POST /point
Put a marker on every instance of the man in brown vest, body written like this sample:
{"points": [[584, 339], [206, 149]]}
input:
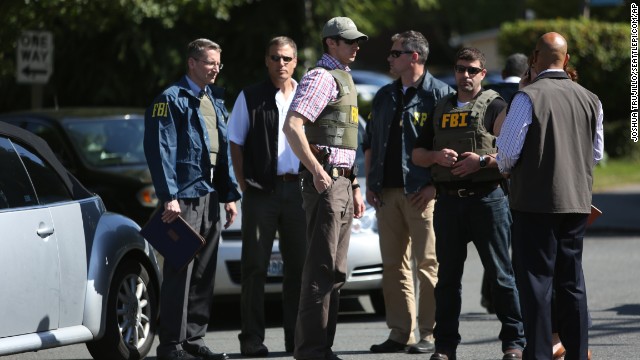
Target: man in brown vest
{"points": [[548, 145]]}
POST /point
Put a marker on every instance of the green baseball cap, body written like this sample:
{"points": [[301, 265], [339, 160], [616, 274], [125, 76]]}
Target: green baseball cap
{"points": [[343, 27]]}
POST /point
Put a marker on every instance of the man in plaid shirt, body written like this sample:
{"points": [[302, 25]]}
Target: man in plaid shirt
{"points": [[322, 129]]}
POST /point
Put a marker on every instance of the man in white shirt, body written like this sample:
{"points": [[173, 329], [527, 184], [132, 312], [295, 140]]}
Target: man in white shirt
{"points": [[267, 172]]}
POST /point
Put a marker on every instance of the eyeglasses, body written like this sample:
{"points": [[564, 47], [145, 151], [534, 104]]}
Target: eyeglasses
{"points": [[214, 64], [276, 58], [347, 41], [472, 70], [396, 53]]}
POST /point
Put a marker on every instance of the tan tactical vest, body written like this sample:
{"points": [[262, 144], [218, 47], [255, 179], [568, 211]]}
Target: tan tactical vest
{"points": [[337, 125], [211, 121], [462, 129]]}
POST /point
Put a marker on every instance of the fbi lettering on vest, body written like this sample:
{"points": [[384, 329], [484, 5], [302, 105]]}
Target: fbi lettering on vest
{"points": [[454, 120]]}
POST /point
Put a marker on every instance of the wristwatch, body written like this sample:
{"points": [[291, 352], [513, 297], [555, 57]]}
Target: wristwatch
{"points": [[483, 161]]}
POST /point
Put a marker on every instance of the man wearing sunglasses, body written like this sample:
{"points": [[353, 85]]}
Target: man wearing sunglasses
{"points": [[403, 193], [460, 149], [322, 129], [267, 171]]}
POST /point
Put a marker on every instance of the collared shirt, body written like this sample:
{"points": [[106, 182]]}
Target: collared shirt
{"points": [[239, 128], [515, 127], [316, 89], [195, 88]]}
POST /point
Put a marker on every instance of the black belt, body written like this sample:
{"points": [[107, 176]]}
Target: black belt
{"points": [[334, 172], [287, 177], [479, 190]]}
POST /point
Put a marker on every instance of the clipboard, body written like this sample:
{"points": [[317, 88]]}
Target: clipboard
{"points": [[177, 242]]}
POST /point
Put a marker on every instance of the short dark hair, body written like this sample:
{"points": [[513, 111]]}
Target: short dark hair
{"points": [[515, 65], [281, 41], [471, 54], [414, 41]]}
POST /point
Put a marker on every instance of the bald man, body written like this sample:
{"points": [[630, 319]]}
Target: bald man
{"points": [[549, 143]]}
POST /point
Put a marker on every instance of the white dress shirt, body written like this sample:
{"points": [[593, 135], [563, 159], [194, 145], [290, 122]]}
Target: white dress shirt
{"points": [[515, 127], [239, 127]]}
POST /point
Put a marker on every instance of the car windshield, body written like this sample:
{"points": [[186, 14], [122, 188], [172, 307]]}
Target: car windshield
{"points": [[108, 142]]}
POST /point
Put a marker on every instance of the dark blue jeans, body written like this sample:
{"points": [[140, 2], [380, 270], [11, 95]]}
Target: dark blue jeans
{"points": [[485, 221]]}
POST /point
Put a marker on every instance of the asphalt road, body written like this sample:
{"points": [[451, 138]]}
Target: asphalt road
{"points": [[612, 270]]}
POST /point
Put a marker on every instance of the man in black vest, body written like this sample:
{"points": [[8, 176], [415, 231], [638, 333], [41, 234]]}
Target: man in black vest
{"points": [[267, 171], [549, 143], [471, 206]]}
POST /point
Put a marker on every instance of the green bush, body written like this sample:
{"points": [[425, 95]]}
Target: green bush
{"points": [[599, 51], [617, 140]]}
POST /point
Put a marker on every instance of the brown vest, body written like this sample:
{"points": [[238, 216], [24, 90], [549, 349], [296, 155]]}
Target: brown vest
{"points": [[555, 171]]}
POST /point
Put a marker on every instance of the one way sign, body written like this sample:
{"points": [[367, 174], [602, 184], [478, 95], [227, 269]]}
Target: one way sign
{"points": [[35, 57]]}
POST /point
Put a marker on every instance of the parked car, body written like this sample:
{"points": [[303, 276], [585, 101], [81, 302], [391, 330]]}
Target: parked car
{"points": [[71, 271], [102, 147], [369, 82], [364, 262]]}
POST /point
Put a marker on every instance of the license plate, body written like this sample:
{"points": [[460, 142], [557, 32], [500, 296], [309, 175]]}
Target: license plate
{"points": [[276, 266]]}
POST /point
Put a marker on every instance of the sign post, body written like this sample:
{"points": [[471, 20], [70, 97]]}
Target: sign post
{"points": [[35, 62], [35, 57]]}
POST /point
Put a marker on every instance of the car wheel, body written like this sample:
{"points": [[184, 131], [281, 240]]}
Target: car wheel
{"points": [[377, 301], [132, 311]]}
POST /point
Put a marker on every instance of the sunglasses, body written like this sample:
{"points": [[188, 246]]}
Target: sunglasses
{"points": [[276, 58], [472, 70], [347, 41], [396, 53]]}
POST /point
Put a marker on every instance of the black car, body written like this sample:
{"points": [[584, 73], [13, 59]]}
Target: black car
{"points": [[102, 147]]}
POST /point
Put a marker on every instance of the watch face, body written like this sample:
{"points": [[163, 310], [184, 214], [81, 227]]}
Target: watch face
{"points": [[483, 161]]}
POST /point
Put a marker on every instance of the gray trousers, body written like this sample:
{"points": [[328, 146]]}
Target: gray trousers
{"points": [[186, 295], [329, 217], [264, 213]]}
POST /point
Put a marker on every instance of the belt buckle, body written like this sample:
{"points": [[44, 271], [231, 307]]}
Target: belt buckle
{"points": [[463, 193], [335, 173]]}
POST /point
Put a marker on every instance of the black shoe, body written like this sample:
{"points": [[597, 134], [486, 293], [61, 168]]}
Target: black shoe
{"points": [[422, 347], [439, 356], [253, 347], [178, 355], [388, 346], [512, 354], [205, 353], [442, 356]]}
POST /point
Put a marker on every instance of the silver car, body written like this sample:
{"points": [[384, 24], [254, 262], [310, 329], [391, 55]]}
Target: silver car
{"points": [[71, 271], [364, 262]]}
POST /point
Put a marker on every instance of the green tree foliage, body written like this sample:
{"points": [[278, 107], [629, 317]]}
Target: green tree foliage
{"points": [[599, 51], [123, 52]]}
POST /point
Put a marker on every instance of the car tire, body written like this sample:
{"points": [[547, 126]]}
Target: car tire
{"points": [[133, 299], [377, 301]]}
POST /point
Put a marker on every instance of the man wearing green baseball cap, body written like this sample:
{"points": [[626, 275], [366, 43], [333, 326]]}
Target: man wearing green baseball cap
{"points": [[322, 130]]}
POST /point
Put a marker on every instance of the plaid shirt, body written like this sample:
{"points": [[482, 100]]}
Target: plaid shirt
{"points": [[316, 89]]}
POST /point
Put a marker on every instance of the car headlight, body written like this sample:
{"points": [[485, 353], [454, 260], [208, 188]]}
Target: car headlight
{"points": [[147, 196], [367, 223]]}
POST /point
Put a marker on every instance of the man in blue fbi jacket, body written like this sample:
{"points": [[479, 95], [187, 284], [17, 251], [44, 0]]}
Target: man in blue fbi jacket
{"points": [[185, 143]]}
